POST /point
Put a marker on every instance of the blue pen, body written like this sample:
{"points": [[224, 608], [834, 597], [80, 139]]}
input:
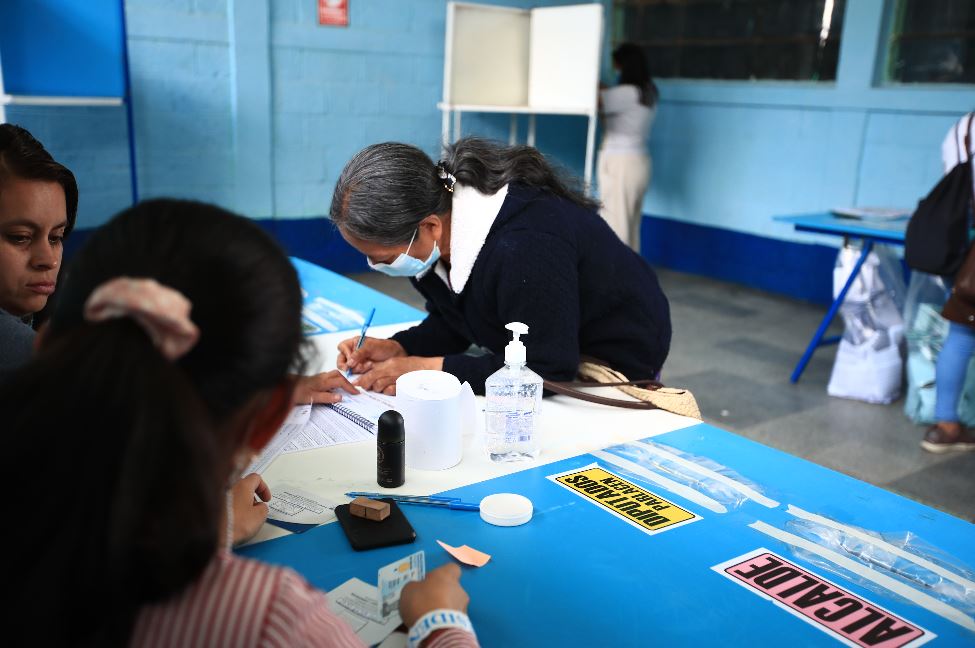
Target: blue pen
{"points": [[428, 498], [362, 338], [422, 500], [457, 506]]}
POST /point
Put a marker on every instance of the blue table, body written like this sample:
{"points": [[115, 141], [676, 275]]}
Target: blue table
{"points": [[584, 573], [580, 575], [334, 303], [870, 232]]}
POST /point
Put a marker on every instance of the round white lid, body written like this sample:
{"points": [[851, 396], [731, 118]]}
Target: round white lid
{"points": [[506, 509]]}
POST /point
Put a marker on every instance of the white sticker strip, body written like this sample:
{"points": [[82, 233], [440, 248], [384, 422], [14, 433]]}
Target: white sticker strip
{"points": [[886, 546], [745, 490], [929, 603], [686, 492]]}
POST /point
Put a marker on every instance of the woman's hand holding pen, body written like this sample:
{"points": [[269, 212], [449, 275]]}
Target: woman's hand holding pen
{"points": [[380, 362], [382, 376], [372, 350]]}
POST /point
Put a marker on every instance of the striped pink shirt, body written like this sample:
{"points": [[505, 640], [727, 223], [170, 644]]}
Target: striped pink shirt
{"points": [[239, 602]]}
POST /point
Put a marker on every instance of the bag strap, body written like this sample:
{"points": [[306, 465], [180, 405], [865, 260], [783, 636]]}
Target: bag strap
{"points": [[968, 138], [568, 389], [971, 165], [588, 359], [651, 385]]}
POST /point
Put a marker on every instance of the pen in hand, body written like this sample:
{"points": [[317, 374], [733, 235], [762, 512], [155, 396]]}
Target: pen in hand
{"points": [[362, 338]]}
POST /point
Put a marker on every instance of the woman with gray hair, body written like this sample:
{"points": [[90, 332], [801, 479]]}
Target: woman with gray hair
{"points": [[491, 235]]}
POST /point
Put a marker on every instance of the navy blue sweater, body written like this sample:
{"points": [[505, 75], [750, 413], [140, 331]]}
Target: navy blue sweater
{"points": [[561, 270]]}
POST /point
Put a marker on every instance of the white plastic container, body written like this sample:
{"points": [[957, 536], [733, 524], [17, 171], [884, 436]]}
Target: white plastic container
{"points": [[431, 402], [514, 396]]}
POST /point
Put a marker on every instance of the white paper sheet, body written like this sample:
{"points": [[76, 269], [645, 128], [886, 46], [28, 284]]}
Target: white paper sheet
{"points": [[325, 428], [395, 640], [873, 213], [298, 506], [292, 425], [357, 602]]}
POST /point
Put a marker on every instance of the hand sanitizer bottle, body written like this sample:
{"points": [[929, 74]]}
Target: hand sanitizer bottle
{"points": [[514, 395]]}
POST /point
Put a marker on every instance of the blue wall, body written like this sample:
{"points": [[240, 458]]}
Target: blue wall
{"points": [[87, 60], [730, 155], [252, 105]]}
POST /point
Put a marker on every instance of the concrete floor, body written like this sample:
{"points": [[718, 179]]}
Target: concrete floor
{"points": [[735, 348]]}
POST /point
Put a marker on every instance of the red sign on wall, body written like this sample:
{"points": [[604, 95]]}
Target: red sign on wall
{"points": [[333, 12]]}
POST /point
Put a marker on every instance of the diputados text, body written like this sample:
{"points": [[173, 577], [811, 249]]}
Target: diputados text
{"points": [[640, 507]]}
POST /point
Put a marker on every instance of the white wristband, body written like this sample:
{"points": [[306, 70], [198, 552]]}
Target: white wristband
{"points": [[437, 620]]}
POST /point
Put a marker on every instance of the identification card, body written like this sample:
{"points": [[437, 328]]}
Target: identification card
{"points": [[393, 577]]}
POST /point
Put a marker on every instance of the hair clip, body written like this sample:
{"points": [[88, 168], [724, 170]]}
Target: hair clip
{"points": [[448, 178], [162, 312]]}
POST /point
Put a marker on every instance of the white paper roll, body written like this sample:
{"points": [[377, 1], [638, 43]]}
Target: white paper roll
{"points": [[431, 405]]}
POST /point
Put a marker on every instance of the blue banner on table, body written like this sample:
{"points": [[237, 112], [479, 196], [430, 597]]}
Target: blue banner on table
{"points": [[334, 303]]}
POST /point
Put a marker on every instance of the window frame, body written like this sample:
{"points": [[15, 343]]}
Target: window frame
{"points": [[615, 32], [886, 59], [857, 87]]}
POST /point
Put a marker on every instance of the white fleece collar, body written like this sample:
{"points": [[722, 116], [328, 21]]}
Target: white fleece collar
{"points": [[472, 215]]}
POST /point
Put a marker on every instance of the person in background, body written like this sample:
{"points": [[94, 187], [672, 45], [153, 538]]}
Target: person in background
{"points": [[38, 205], [625, 166], [948, 433], [165, 366], [492, 235]]}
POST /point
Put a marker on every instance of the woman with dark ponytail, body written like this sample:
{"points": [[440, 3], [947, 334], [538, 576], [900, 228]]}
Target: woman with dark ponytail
{"points": [[625, 167], [165, 367], [490, 235]]}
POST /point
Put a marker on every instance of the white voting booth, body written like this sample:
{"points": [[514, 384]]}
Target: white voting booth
{"points": [[541, 61]]}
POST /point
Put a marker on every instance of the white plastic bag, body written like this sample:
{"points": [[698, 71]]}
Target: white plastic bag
{"points": [[869, 363], [925, 335]]}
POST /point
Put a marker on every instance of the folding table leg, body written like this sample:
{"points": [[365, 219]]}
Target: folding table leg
{"points": [[817, 339]]}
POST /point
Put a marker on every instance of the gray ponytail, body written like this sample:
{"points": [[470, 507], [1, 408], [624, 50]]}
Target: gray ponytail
{"points": [[487, 166], [387, 189]]}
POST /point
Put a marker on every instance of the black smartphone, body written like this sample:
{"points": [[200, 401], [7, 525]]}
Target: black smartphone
{"points": [[369, 534]]}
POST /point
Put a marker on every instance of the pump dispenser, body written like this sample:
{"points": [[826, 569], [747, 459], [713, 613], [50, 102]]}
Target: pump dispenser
{"points": [[514, 396], [514, 353]]}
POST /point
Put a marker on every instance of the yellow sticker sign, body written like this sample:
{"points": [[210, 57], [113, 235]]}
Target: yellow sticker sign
{"points": [[643, 509]]}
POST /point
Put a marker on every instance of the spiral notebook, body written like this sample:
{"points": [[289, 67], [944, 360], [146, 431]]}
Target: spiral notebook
{"points": [[353, 419], [363, 409], [351, 414]]}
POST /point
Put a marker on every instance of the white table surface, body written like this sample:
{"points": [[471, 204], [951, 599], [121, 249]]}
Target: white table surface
{"points": [[569, 427]]}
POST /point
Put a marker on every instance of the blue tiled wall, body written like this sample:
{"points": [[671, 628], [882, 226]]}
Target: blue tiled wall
{"points": [[92, 142], [252, 105], [331, 91]]}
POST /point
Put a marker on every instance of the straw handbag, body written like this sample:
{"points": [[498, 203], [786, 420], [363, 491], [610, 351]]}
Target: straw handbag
{"points": [[650, 393]]}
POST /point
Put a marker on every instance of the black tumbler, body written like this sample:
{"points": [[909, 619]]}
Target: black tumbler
{"points": [[391, 450]]}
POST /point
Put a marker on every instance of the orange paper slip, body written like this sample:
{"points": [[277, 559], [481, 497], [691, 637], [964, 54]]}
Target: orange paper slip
{"points": [[466, 555]]}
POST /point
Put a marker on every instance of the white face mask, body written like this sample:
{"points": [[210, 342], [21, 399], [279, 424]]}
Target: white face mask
{"points": [[405, 265]]}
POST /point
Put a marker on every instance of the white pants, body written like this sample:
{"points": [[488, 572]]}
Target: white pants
{"points": [[623, 181]]}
